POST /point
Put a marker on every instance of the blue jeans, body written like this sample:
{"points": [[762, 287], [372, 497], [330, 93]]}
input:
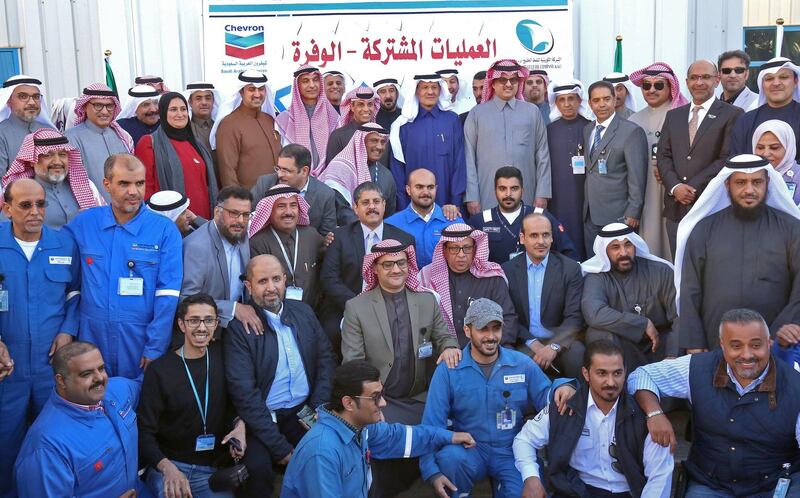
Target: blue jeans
{"points": [[198, 481], [697, 490]]}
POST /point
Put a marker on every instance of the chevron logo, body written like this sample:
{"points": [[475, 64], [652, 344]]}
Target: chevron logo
{"points": [[244, 47]]}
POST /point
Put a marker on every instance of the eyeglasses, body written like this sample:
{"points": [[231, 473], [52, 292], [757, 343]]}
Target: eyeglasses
{"points": [[236, 214], [454, 250], [612, 452], [402, 264], [24, 97], [696, 77], [99, 106], [278, 169], [658, 84], [195, 322], [737, 70], [28, 205], [376, 398]]}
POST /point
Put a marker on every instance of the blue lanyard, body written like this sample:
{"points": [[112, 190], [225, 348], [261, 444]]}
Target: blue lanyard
{"points": [[203, 411]]}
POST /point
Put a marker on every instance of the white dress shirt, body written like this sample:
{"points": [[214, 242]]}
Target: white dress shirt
{"points": [[377, 236], [704, 107], [590, 458], [605, 124]]}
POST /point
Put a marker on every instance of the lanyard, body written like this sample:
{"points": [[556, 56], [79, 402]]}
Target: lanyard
{"points": [[291, 264], [504, 222], [203, 411]]}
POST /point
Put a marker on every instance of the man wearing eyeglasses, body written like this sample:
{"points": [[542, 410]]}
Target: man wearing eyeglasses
{"points": [[603, 448], [734, 66], [23, 110], [694, 142], [96, 132], [39, 295], [396, 325], [216, 254]]}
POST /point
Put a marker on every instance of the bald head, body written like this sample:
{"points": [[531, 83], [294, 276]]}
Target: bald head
{"points": [[266, 282], [262, 261], [24, 204], [22, 186], [421, 189], [702, 79]]}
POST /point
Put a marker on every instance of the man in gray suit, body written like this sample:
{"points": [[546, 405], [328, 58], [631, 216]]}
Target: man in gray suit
{"points": [[396, 325], [615, 161], [216, 255], [327, 209]]}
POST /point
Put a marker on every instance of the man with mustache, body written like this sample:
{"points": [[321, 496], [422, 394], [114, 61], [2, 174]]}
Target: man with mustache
{"points": [[23, 110], [139, 116], [131, 271], [629, 297], [735, 68], [603, 449], [504, 221], [736, 248], [359, 107], [334, 87], [85, 440], [47, 157], [204, 101], [624, 103], [486, 396], [274, 375], [280, 227], [95, 133], [745, 412], [38, 312], [388, 90], [216, 254]]}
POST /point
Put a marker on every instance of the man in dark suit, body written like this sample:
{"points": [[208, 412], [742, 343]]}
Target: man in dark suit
{"points": [[546, 290], [341, 268], [694, 143], [267, 393], [328, 209], [616, 161]]}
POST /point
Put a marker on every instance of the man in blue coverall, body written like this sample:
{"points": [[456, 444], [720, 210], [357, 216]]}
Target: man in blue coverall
{"points": [[84, 443], [333, 458], [131, 272], [487, 395], [39, 294]]}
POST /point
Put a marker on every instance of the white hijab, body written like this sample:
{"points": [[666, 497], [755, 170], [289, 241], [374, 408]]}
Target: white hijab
{"points": [[785, 135]]}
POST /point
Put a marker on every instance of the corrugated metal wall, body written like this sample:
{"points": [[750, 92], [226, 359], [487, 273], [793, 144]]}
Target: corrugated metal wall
{"points": [[765, 12]]}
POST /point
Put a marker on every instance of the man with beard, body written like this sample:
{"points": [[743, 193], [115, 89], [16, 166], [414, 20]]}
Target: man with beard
{"points": [[216, 254], [334, 86], [359, 107], [274, 375], [738, 247], [458, 94], [156, 82], [23, 110], [280, 227], [131, 271], [745, 408], [139, 116], [603, 416], [388, 90], [535, 92], [95, 133], [628, 297], [85, 440], [47, 157], [735, 68], [624, 104]]}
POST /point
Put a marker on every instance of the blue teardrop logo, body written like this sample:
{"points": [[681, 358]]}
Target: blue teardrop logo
{"points": [[534, 37]]}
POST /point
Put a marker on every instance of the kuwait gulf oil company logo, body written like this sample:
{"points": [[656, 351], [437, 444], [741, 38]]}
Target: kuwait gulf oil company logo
{"points": [[534, 37], [244, 42]]}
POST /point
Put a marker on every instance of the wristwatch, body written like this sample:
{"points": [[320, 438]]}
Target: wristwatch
{"points": [[555, 347], [655, 414]]}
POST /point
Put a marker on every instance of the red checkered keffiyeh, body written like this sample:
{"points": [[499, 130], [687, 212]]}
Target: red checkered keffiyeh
{"points": [[263, 210], [294, 124], [504, 68], [383, 248], [41, 142], [663, 70], [101, 91], [361, 93], [350, 168], [436, 275]]}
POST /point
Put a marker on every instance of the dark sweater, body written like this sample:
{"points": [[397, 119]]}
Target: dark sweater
{"points": [[169, 419]]}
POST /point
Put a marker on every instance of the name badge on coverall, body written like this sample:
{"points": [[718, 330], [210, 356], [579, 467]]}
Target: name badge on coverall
{"points": [[3, 295], [130, 286]]}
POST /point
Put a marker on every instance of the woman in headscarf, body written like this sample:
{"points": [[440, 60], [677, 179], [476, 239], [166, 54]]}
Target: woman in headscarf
{"points": [[774, 140], [175, 160]]}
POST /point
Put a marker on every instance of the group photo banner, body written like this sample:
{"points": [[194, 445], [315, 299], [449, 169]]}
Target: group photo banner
{"points": [[369, 41]]}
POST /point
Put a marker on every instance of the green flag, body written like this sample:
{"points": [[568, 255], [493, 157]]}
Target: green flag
{"points": [[110, 81], [618, 55]]}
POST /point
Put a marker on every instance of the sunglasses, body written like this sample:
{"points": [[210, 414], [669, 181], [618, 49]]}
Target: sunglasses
{"points": [[612, 452], [376, 398], [737, 70], [660, 85]]}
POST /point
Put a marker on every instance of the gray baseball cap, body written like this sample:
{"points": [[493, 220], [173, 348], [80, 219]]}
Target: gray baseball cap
{"points": [[482, 312]]}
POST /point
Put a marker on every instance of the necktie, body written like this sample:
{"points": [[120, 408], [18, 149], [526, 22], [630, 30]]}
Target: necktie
{"points": [[371, 240], [693, 123], [597, 137]]}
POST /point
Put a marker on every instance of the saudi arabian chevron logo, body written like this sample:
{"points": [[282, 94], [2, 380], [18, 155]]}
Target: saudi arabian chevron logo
{"points": [[247, 45], [534, 37]]}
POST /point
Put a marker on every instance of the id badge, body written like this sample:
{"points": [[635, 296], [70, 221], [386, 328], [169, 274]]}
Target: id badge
{"points": [[506, 419], [792, 186], [295, 293], [3, 300], [782, 488], [205, 442], [130, 286], [425, 350], [578, 165], [601, 167]]}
